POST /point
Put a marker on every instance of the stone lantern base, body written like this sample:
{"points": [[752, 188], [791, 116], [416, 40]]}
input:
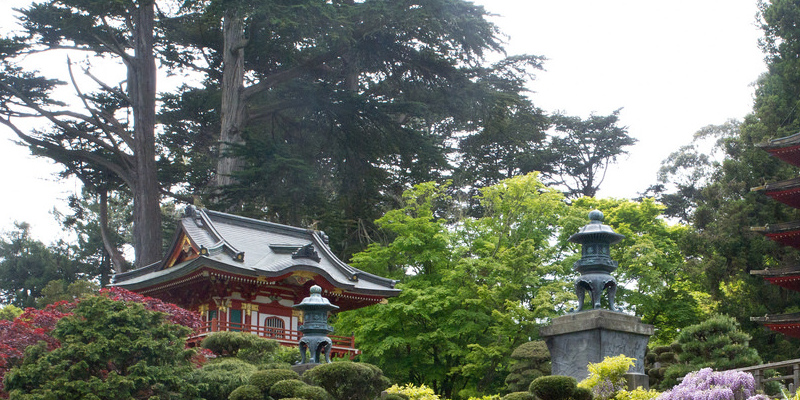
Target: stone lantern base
{"points": [[577, 339]]}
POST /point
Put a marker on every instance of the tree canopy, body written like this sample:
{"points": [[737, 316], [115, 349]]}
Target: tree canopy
{"points": [[475, 288]]}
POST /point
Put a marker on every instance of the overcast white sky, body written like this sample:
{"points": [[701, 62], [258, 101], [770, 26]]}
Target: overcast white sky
{"points": [[672, 66]]}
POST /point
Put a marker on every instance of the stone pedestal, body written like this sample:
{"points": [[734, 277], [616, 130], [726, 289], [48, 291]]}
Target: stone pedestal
{"points": [[577, 339]]}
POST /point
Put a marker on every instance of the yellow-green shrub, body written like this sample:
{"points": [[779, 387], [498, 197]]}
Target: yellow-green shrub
{"points": [[606, 378], [636, 394], [414, 392]]}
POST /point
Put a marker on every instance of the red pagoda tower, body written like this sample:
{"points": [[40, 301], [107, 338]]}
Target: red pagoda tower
{"points": [[246, 275], [787, 234]]}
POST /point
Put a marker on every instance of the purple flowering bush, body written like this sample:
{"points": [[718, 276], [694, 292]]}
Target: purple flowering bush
{"points": [[709, 385]]}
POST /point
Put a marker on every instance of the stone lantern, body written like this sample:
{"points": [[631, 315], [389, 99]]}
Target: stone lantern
{"points": [[588, 336], [315, 326], [596, 265]]}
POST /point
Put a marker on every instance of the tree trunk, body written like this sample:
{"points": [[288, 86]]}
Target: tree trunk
{"points": [[142, 88], [233, 114], [114, 255]]}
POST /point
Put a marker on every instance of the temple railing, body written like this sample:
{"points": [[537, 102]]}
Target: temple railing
{"points": [[343, 346], [788, 374]]}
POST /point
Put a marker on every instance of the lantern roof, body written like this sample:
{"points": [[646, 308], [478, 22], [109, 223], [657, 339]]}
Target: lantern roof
{"points": [[315, 302], [596, 231]]}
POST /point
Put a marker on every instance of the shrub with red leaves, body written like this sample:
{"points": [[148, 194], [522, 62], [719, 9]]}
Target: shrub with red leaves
{"points": [[35, 325], [175, 314], [28, 329]]}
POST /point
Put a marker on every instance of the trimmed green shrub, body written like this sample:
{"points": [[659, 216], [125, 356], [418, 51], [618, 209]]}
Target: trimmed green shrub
{"points": [[519, 396], [264, 379], [530, 361], [217, 379], [275, 365], [247, 346], [286, 388], [716, 343], [396, 396], [582, 394], [309, 392], [348, 380], [246, 392], [553, 387], [413, 392]]}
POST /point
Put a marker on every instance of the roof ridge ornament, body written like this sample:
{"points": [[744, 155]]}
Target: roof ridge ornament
{"points": [[307, 251]]}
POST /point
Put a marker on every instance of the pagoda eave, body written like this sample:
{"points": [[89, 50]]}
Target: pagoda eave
{"points": [[787, 324], [785, 148], [786, 192], [787, 234], [788, 278]]}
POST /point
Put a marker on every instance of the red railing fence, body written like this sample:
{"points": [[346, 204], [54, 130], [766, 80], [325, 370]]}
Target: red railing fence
{"points": [[343, 346]]}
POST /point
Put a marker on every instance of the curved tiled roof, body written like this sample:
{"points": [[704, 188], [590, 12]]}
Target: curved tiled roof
{"points": [[256, 248]]}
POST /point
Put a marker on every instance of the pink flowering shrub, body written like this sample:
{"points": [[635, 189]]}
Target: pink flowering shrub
{"points": [[709, 385]]}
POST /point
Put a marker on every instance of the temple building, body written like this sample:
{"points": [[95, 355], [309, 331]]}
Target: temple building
{"points": [[246, 275], [787, 234]]}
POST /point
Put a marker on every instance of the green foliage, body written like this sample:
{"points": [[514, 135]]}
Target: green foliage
{"points": [[348, 380], [520, 396], [27, 265], [309, 392], [530, 361], [553, 387], [251, 348], [636, 394], [658, 360], [413, 392], [339, 146], [612, 369], [584, 149], [246, 392], [475, 290], [286, 388], [264, 379], [717, 343], [109, 350], [708, 185], [394, 396], [607, 377], [9, 312], [217, 379], [654, 279], [582, 393], [59, 290]]}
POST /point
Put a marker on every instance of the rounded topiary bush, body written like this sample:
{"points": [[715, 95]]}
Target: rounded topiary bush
{"points": [[275, 365], [553, 387], [286, 388], [246, 392], [348, 380], [309, 392], [581, 393], [667, 357], [217, 379], [265, 378], [253, 348], [519, 396], [530, 361]]}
